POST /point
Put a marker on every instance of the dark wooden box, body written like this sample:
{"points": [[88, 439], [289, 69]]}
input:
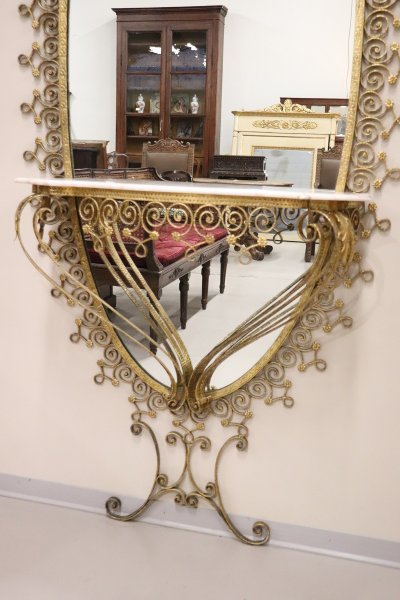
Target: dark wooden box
{"points": [[238, 167]]}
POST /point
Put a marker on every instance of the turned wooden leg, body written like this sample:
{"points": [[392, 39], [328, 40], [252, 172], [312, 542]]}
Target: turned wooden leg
{"points": [[153, 334], [106, 293], [309, 251], [184, 289], [205, 277], [224, 264], [310, 246]]}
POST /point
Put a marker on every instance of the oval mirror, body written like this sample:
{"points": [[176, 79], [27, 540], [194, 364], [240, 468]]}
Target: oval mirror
{"points": [[228, 282]]}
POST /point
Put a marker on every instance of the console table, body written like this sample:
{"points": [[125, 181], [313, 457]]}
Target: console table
{"points": [[252, 194]]}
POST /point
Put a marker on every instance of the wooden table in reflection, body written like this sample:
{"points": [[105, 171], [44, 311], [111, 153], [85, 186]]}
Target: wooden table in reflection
{"points": [[266, 183]]}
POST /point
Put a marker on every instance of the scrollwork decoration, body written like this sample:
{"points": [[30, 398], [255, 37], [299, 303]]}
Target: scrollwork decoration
{"points": [[43, 15], [43, 60], [275, 124], [287, 107], [378, 113]]}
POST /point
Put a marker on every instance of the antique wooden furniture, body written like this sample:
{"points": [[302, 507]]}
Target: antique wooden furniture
{"points": [[248, 168], [89, 154], [327, 170], [166, 258], [238, 167], [165, 262], [244, 182], [166, 56], [289, 135], [117, 160], [146, 173], [169, 155]]}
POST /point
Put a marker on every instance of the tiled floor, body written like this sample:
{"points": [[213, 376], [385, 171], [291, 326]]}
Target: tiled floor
{"points": [[50, 553]]}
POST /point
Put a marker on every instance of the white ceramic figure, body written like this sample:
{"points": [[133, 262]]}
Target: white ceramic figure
{"points": [[140, 104], [194, 105]]}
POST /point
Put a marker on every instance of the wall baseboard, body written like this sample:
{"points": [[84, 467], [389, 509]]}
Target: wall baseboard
{"points": [[203, 520]]}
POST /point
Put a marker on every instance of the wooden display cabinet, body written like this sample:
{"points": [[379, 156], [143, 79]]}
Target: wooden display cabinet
{"points": [[165, 57]]}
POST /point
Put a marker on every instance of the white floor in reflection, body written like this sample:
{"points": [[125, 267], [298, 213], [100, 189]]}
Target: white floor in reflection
{"points": [[248, 287]]}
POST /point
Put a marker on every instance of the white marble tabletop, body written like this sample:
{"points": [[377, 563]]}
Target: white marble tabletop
{"points": [[207, 189]]}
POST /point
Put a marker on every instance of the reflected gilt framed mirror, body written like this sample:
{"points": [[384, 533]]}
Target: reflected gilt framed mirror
{"points": [[202, 357]]}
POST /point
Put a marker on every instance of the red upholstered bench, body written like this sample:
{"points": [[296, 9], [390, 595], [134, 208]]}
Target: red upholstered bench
{"points": [[166, 261]]}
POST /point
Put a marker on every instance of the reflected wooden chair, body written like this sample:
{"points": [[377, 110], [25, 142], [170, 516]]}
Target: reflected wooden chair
{"points": [[326, 174], [117, 160], [327, 167], [169, 155]]}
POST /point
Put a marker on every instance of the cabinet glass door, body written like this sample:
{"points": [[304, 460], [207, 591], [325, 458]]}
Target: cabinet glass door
{"points": [[143, 91], [187, 107]]}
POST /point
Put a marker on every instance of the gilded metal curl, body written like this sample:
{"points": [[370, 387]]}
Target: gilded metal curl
{"points": [[378, 116], [46, 62], [188, 434]]}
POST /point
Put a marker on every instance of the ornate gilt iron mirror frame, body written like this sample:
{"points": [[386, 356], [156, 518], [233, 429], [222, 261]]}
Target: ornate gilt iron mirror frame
{"points": [[305, 310]]}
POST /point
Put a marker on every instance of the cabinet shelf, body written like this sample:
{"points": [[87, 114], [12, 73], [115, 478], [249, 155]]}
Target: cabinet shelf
{"points": [[187, 116], [189, 72], [142, 137], [143, 72], [189, 139], [146, 115]]}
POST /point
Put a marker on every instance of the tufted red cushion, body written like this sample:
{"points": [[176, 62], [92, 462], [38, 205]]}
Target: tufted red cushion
{"points": [[168, 250]]}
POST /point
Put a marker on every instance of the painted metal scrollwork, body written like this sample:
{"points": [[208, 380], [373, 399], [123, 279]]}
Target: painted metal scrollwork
{"points": [[378, 117], [44, 63]]}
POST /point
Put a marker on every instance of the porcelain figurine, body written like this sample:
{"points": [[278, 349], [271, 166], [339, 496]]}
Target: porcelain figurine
{"points": [[194, 105], [140, 104]]}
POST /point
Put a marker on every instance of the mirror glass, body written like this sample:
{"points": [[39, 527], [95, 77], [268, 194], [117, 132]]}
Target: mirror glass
{"points": [[277, 50], [287, 50], [248, 287]]}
